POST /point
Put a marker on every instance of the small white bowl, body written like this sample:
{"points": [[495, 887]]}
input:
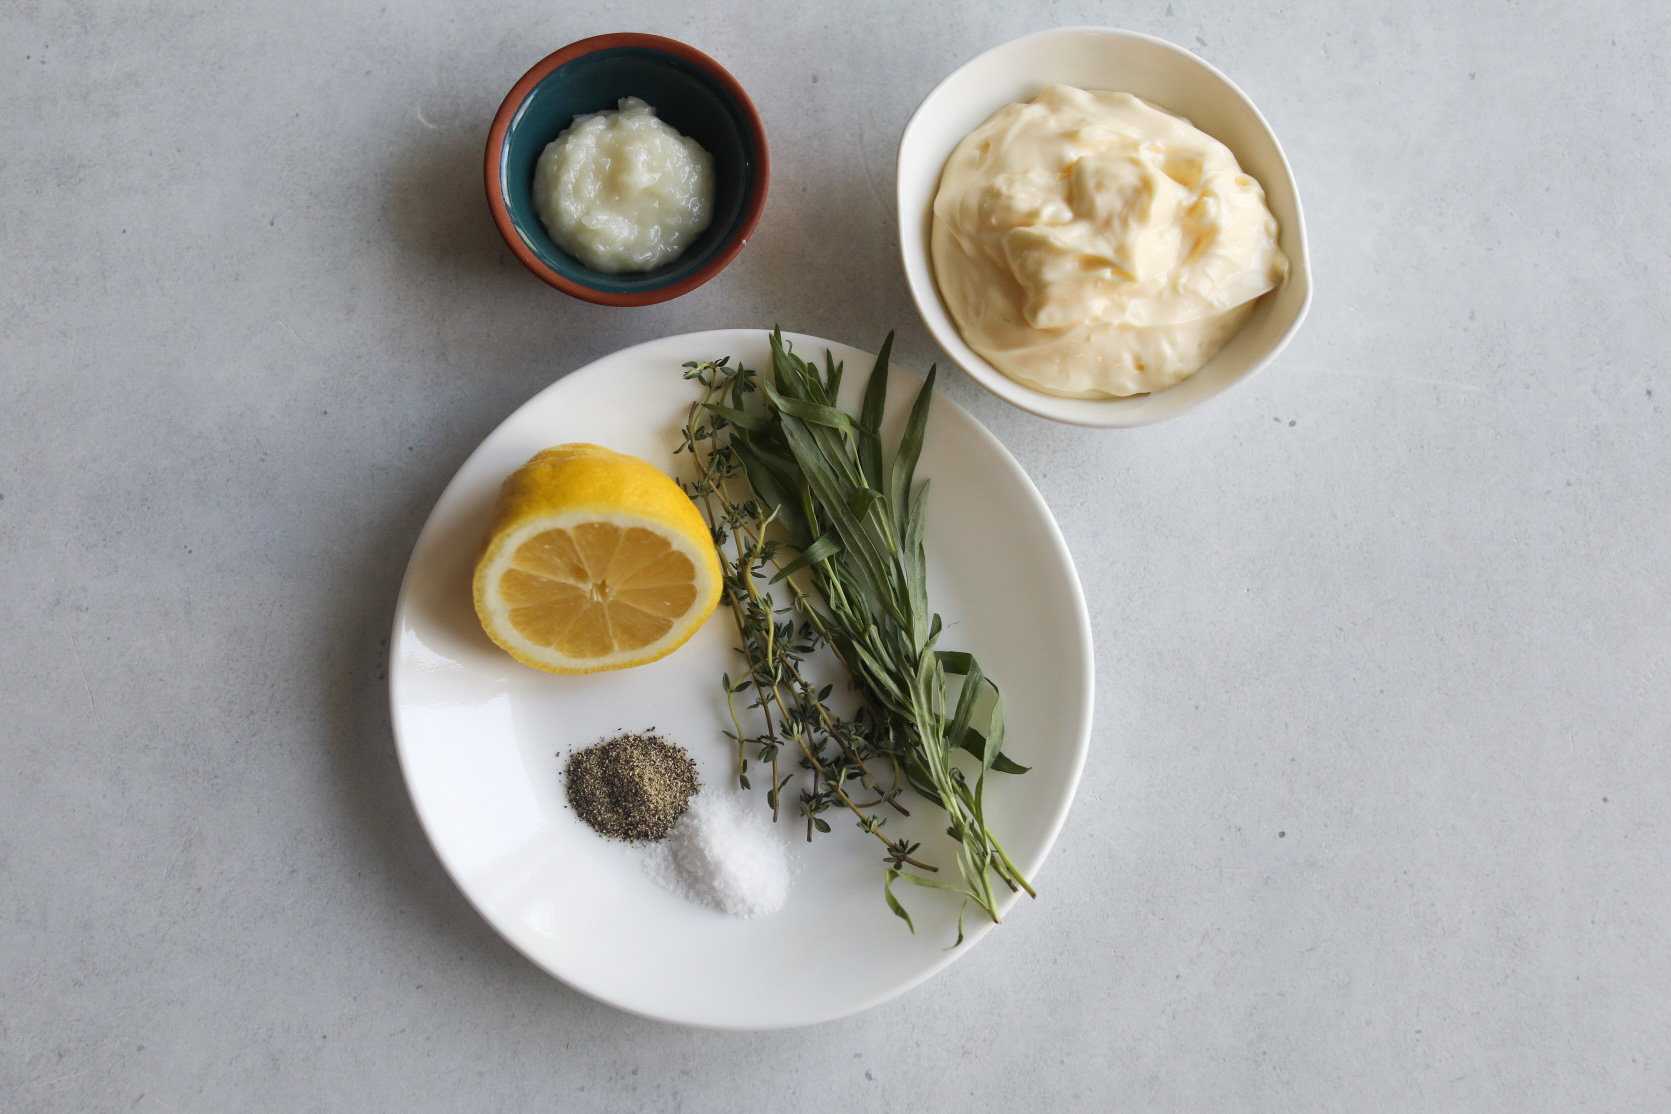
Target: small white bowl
{"points": [[1163, 74]]}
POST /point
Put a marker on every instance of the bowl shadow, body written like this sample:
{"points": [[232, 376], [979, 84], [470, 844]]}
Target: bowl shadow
{"points": [[437, 209]]}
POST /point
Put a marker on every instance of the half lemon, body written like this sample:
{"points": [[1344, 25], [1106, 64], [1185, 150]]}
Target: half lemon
{"points": [[595, 560]]}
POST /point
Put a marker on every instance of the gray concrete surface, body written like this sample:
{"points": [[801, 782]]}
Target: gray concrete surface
{"points": [[1378, 815]]}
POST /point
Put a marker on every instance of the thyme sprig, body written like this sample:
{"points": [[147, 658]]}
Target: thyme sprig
{"points": [[800, 499]]}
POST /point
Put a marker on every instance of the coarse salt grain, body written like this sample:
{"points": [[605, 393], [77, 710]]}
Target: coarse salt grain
{"points": [[726, 853]]}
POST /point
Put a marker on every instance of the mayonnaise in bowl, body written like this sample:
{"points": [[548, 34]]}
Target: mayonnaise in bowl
{"points": [[1091, 245]]}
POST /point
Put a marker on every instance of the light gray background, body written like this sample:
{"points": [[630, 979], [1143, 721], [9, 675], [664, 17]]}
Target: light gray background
{"points": [[1378, 807]]}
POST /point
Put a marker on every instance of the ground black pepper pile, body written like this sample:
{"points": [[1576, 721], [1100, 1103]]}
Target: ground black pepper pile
{"points": [[632, 787]]}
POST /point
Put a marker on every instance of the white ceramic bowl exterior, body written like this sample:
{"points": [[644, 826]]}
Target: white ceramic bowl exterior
{"points": [[1161, 73]]}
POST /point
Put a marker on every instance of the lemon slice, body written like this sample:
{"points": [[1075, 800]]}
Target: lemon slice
{"points": [[595, 560]]}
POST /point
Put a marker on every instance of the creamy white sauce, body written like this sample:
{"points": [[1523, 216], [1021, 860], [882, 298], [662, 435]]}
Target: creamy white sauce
{"points": [[622, 191], [1089, 244]]}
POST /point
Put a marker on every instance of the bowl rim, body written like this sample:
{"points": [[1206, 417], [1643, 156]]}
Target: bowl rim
{"points": [[755, 129], [1103, 413]]}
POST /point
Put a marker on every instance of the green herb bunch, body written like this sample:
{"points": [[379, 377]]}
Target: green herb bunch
{"points": [[800, 497]]}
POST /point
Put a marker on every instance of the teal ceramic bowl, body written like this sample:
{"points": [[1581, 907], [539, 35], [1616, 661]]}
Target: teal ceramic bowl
{"points": [[690, 92]]}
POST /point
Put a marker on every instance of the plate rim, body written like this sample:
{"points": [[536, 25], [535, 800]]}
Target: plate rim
{"points": [[1085, 662]]}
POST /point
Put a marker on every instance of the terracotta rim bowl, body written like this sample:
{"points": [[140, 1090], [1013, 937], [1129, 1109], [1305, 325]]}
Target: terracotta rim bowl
{"points": [[724, 110]]}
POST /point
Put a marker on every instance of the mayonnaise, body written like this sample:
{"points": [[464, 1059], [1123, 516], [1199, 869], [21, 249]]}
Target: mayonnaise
{"points": [[622, 191], [1090, 245]]}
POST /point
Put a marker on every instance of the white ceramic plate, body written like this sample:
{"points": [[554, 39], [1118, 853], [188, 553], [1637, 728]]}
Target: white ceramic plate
{"points": [[482, 739]]}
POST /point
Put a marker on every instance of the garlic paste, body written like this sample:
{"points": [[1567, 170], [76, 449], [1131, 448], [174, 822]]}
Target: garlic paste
{"points": [[622, 191], [1089, 244]]}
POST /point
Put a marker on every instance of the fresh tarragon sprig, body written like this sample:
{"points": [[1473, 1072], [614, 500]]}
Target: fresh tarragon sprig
{"points": [[800, 498]]}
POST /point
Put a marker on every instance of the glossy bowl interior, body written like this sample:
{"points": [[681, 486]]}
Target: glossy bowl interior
{"points": [[1163, 74], [691, 93]]}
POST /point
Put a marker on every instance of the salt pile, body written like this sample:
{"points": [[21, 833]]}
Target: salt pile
{"points": [[726, 853]]}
